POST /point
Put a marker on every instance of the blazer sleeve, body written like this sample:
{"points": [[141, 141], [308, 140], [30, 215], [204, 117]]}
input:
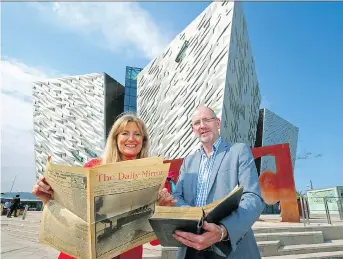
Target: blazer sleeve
{"points": [[178, 193], [251, 205]]}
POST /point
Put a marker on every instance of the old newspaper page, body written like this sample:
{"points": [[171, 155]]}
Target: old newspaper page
{"points": [[65, 231], [103, 211], [134, 190], [69, 184]]}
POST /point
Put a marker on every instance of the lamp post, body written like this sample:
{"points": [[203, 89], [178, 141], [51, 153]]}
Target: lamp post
{"points": [[310, 186]]}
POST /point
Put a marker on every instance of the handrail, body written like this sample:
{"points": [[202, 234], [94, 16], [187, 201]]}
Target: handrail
{"points": [[329, 204]]}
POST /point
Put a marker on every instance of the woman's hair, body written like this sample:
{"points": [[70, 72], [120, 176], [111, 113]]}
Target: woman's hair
{"points": [[112, 153]]}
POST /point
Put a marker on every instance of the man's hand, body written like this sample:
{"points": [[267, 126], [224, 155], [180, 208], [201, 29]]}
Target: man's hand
{"points": [[165, 198], [212, 235]]}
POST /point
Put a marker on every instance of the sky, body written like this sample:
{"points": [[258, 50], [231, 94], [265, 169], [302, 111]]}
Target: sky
{"points": [[297, 49]]}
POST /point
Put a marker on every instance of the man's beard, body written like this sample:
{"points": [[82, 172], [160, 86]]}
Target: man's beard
{"points": [[206, 139]]}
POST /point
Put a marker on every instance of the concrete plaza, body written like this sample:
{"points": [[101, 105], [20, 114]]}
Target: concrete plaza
{"points": [[20, 239]]}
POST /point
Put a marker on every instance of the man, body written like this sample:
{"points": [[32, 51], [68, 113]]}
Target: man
{"points": [[209, 175], [14, 206], [7, 206]]}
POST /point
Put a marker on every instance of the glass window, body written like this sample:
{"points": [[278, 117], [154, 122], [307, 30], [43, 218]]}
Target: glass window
{"points": [[134, 75], [130, 108], [126, 99], [128, 72], [132, 102], [133, 92], [182, 52], [133, 82]]}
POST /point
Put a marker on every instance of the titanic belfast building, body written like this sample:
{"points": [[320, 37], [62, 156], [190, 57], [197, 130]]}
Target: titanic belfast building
{"points": [[72, 117], [210, 62]]}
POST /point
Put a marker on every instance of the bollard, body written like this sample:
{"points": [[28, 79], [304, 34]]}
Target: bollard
{"points": [[25, 211]]}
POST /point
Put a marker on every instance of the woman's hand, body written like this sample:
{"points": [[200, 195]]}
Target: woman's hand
{"points": [[165, 198], [42, 190]]}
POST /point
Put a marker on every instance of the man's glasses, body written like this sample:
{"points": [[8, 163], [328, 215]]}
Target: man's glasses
{"points": [[204, 120]]}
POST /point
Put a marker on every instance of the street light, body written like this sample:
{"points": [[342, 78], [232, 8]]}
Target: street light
{"points": [[310, 186]]}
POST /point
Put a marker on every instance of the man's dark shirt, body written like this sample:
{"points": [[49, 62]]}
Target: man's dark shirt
{"points": [[16, 201]]}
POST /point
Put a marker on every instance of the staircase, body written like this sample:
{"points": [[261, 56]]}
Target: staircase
{"points": [[290, 242], [300, 242]]}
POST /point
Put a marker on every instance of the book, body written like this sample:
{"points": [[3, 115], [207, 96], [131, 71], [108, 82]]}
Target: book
{"points": [[166, 220]]}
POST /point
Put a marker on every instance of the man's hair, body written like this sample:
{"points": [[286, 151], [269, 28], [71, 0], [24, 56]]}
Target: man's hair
{"points": [[112, 153], [205, 106]]}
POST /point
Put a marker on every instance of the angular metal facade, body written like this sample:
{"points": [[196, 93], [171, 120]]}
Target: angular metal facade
{"points": [[72, 116], [210, 62], [276, 130]]}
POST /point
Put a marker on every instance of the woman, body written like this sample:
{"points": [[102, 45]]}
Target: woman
{"points": [[127, 140]]}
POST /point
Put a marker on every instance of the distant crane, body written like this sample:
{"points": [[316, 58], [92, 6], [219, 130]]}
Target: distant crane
{"points": [[13, 183]]}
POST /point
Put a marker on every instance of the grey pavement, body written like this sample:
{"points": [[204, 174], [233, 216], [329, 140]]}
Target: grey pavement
{"points": [[12, 247], [20, 238]]}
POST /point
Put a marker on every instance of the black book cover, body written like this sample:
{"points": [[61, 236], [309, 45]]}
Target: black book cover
{"points": [[167, 220]]}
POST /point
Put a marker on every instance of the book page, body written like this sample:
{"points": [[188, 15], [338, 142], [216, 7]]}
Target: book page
{"points": [[122, 199], [64, 231], [194, 213], [211, 206], [70, 187]]}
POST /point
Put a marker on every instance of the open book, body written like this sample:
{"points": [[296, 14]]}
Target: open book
{"points": [[103, 211], [190, 219]]}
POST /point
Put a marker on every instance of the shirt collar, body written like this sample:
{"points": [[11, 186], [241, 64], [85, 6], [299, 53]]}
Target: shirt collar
{"points": [[214, 147]]}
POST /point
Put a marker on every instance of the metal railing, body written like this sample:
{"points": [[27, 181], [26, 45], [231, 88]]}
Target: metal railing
{"points": [[332, 209]]}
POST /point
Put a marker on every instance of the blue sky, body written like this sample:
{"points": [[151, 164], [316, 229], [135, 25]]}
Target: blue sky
{"points": [[297, 47]]}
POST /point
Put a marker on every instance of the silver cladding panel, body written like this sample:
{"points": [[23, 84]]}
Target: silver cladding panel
{"points": [[217, 70], [242, 96], [68, 116], [277, 131]]}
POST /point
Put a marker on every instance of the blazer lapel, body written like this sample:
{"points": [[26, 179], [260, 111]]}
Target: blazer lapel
{"points": [[222, 149], [196, 167]]}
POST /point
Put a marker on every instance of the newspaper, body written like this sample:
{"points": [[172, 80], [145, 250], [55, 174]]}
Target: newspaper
{"points": [[103, 211]]}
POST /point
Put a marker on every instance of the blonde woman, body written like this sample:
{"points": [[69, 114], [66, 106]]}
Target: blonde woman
{"points": [[127, 140]]}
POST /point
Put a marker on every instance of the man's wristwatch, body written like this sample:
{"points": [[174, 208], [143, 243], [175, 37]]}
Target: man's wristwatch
{"points": [[222, 231]]}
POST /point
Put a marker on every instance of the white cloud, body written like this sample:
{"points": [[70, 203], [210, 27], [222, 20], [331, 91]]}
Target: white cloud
{"points": [[17, 150], [117, 26], [16, 78]]}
